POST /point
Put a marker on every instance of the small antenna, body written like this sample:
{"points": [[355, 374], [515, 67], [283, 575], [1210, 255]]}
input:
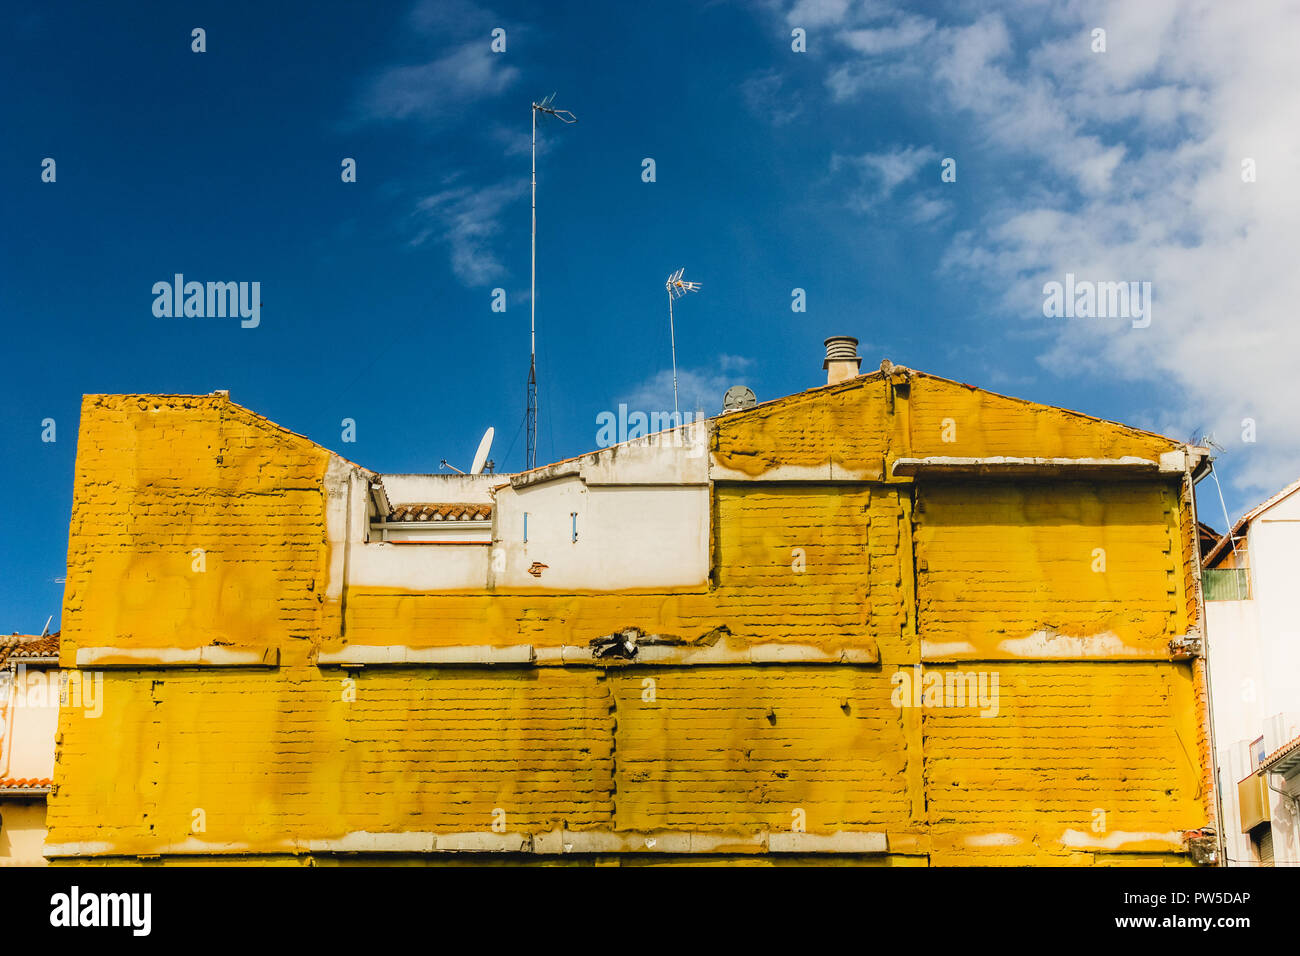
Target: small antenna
{"points": [[676, 289], [564, 116]]}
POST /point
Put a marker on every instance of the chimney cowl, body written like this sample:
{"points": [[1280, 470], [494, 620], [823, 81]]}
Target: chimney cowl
{"points": [[842, 362]]}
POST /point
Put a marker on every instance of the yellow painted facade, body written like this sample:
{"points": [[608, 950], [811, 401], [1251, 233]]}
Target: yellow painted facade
{"points": [[198, 525]]}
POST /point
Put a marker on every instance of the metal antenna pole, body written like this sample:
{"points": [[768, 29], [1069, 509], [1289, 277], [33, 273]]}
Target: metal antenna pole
{"points": [[564, 116], [672, 334], [530, 453]]}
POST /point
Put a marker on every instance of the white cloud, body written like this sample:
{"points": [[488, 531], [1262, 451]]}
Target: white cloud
{"points": [[879, 174], [1126, 166], [909, 31], [700, 388], [442, 87], [817, 13], [466, 219]]}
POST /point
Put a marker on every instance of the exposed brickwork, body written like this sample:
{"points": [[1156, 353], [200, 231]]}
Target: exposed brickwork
{"points": [[742, 748], [1082, 753], [834, 554], [1076, 559], [159, 477], [846, 426], [984, 424], [278, 756]]}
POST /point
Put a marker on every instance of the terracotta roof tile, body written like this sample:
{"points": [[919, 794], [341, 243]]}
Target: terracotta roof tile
{"points": [[441, 512], [29, 647], [1279, 755]]}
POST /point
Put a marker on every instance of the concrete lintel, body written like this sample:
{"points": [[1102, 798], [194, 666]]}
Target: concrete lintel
{"points": [[477, 842], [559, 842], [137, 658], [397, 655], [998, 466], [552, 843], [838, 842], [577, 655], [822, 474]]}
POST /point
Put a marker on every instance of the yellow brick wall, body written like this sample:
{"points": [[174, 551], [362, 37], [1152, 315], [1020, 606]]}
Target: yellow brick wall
{"points": [[742, 748], [271, 758], [1083, 560], [296, 754], [847, 426], [855, 426], [1082, 759], [949, 419], [159, 477], [281, 757]]}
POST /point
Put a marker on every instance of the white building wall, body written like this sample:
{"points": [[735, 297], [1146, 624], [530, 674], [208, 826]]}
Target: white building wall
{"points": [[29, 719], [642, 521], [1254, 659], [628, 536]]}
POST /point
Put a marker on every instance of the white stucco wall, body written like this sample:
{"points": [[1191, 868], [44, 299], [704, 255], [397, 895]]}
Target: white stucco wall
{"points": [[642, 518], [441, 489], [629, 536], [1254, 659], [29, 718]]}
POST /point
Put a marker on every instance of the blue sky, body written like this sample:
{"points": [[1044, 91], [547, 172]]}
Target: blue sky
{"points": [[775, 170]]}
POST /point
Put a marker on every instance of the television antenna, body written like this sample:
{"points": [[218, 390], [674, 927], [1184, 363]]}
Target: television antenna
{"points": [[677, 287], [564, 116]]}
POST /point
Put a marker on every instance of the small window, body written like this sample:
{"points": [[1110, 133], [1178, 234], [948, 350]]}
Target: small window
{"points": [[1225, 584]]}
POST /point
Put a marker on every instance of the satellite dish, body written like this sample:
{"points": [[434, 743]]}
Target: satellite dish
{"points": [[738, 397], [480, 456]]}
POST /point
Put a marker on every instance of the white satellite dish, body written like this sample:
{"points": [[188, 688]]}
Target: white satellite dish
{"points": [[480, 456]]}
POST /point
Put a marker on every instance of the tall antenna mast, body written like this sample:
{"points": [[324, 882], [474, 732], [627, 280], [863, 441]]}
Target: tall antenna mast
{"points": [[564, 116], [676, 289]]}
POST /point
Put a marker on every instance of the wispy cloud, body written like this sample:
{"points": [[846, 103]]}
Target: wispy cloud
{"points": [[463, 217], [907, 32], [766, 96], [466, 219], [701, 387], [875, 176], [442, 87], [466, 72]]}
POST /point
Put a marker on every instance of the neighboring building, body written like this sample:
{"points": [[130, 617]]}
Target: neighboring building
{"points": [[891, 619], [29, 715], [1253, 616]]}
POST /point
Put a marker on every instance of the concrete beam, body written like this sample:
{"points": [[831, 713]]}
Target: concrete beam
{"points": [[138, 658]]}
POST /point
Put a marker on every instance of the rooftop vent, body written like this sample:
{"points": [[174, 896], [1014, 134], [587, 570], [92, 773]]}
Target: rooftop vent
{"points": [[842, 362]]}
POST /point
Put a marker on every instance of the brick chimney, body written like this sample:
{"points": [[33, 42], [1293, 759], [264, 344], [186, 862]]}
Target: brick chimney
{"points": [[842, 362]]}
